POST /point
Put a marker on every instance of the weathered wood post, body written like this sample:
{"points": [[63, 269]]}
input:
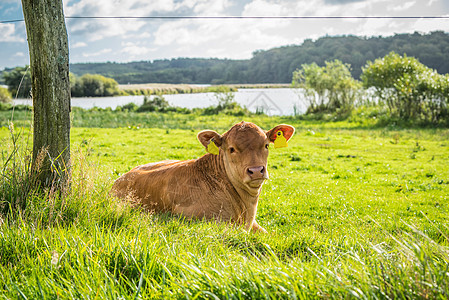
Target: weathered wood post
{"points": [[49, 61]]}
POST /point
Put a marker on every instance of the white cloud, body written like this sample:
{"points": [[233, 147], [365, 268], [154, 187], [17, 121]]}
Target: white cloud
{"points": [[239, 38], [94, 30], [8, 33], [134, 50], [426, 25], [19, 54], [129, 39], [372, 27], [140, 35], [116, 8], [223, 38], [78, 45], [98, 53], [176, 32], [202, 7], [97, 29], [402, 6], [210, 7], [264, 8]]}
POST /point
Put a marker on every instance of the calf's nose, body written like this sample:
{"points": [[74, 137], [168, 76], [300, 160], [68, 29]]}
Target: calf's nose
{"points": [[256, 172]]}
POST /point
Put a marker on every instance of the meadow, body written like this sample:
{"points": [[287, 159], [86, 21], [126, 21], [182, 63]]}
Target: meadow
{"points": [[351, 210]]}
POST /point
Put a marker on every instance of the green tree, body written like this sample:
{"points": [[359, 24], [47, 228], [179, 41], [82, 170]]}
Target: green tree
{"points": [[328, 89], [5, 95], [93, 85], [18, 81], [411, 90]]}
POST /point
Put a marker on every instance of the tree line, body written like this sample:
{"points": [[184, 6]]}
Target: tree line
{"points": [[277, 65], [272, 66]]}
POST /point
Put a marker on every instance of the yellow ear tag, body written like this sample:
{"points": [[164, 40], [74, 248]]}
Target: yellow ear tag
{"points": [[280, 140], [212, 148]]}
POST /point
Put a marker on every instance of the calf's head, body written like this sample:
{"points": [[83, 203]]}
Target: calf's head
{"points": [[244, 150]]}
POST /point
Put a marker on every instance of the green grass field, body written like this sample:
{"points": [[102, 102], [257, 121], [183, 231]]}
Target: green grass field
{"points": [[351, 211]]}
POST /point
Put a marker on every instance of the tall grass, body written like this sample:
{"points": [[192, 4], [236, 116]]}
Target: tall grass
{"points": [[17, 179], [323, 242], [171, 258]]}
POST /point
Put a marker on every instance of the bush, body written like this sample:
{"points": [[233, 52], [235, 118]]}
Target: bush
{"points": [[5, 106], [19, 107], [128, 107], [93, 85], [329, 89], [5, 95], [18, 81], [226, 104], [158, 103], [410, 90]]}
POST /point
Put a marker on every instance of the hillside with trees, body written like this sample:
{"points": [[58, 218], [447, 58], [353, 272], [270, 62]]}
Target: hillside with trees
{"points": [[277, 65]]}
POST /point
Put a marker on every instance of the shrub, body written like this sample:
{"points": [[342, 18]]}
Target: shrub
{"points": [[19, 107], [5, 95], [5, 106], [93, 85], [329, 89], [128, 107], [158, 103], [409, 89], [18, 81], [226, 104]]}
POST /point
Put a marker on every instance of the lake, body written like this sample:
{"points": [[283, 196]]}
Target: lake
{"points": [[278, 101]]}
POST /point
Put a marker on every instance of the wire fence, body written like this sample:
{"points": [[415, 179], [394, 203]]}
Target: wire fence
{"points": [[242, 18]]}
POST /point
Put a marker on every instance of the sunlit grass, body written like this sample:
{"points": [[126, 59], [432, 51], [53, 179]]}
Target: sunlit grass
{"points": [[350, 213]]}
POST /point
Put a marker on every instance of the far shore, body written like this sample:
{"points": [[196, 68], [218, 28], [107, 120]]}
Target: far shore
{"points": [[182, 86]]}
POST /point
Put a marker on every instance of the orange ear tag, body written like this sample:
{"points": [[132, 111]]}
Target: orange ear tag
{"points": [[212, 148], [280, 141]]}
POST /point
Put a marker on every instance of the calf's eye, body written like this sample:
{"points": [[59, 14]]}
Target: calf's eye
{"points": [[231, 150], [266, 146]]}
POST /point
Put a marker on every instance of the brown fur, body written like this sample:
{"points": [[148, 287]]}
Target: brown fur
{"points": [[223, 187]]}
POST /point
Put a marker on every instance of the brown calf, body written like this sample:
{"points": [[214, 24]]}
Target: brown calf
{"points": [[223, 186]]}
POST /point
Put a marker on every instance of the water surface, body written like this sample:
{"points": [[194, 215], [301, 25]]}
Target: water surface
{"points": [[279, 101]]}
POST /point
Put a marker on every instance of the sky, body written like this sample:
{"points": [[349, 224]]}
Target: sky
{"points": [[124, 40]]}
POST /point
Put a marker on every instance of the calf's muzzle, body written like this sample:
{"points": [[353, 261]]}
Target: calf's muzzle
{"points": [[256, 172]]}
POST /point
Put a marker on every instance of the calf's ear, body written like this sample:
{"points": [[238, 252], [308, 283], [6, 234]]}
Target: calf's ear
{"points": [[287, 132], [206, 136]]}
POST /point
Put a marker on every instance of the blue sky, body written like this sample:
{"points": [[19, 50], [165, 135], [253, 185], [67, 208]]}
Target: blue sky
{"points": [[95, 40]]}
